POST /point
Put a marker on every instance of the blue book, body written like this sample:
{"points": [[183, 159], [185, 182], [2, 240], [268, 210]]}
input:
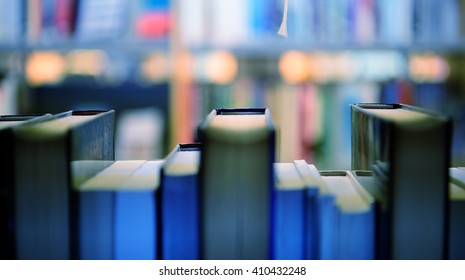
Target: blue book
{"points": [[118, 212], [136, 217], [354, 219], [179, 204], [289, 213], [315, 196], [325, 223]]}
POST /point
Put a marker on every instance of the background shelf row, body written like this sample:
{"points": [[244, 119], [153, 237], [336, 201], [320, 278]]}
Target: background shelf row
{"points": [[184, 58]]}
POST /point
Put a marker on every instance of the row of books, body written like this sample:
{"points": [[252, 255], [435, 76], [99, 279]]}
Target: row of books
{"points": [[225, 196], [318, 128], [240, 23], [235, 23], [58, 21]]}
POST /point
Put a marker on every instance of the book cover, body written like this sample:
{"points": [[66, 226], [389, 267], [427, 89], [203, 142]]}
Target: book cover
{"points": [[118, 217], [179, 203], [289, 226], [317, 198], [408, 148], [354, 217], [43, 200], [8, 126], [236, 173]]}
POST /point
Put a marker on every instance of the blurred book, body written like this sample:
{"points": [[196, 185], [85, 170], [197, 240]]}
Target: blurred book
{"points": [[394, 21], [354, 219], [318, 200], [228, 22], [456, 242], [11, 22], [408, 149], [43, 196], [179, 204], [8, 126], [153, 19], [56, 20], [369, 182], [93, 208], [236, 173], [289, 213], [193, 22], [118, 211], [102, 20]]}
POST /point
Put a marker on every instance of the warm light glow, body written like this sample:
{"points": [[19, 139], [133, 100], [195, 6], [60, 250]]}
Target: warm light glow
{"points": [[155, 67], [45, 68], [86, 62], [428, 68], [323, 67], [294, 67], [221, 67], [342, 69]]}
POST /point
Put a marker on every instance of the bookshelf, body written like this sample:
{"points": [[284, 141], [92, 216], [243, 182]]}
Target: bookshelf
{"points": [[186, 34]]}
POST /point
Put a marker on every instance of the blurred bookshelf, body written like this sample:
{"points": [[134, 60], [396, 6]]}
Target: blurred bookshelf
{"points": [[181, 59]]}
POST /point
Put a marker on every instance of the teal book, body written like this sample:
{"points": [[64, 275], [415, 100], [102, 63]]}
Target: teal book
{"points": [[236, 183], [408, 150], [8, 125], [44, 200]]}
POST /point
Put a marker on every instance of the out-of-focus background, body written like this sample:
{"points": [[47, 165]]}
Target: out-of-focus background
{"points": [[164, 65]]}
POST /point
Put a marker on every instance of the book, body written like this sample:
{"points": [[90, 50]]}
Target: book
{"points": [[316, 197], [153, 19], [456, 244], [236, 175], [192, 22], [228, 23], [354, 217], [101, 20], [373, 185], [8, 126], [11, 22], [124, 196], [93, 211], [289, 216], [43, 197], [179, 203], [408, 149]]}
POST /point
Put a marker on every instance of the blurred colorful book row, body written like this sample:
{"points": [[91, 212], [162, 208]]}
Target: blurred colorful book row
{"points": [[224, 196]]}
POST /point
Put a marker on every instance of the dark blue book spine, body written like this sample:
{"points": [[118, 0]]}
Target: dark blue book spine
{"points": [[96, 225], [312, 227], [135, 225], [180, 218], [289, 226]]}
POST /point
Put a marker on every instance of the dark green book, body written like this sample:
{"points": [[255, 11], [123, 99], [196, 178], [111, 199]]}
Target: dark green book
{"points": [[8, 125], [45, 206], [236, 173], [408, 150]]}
